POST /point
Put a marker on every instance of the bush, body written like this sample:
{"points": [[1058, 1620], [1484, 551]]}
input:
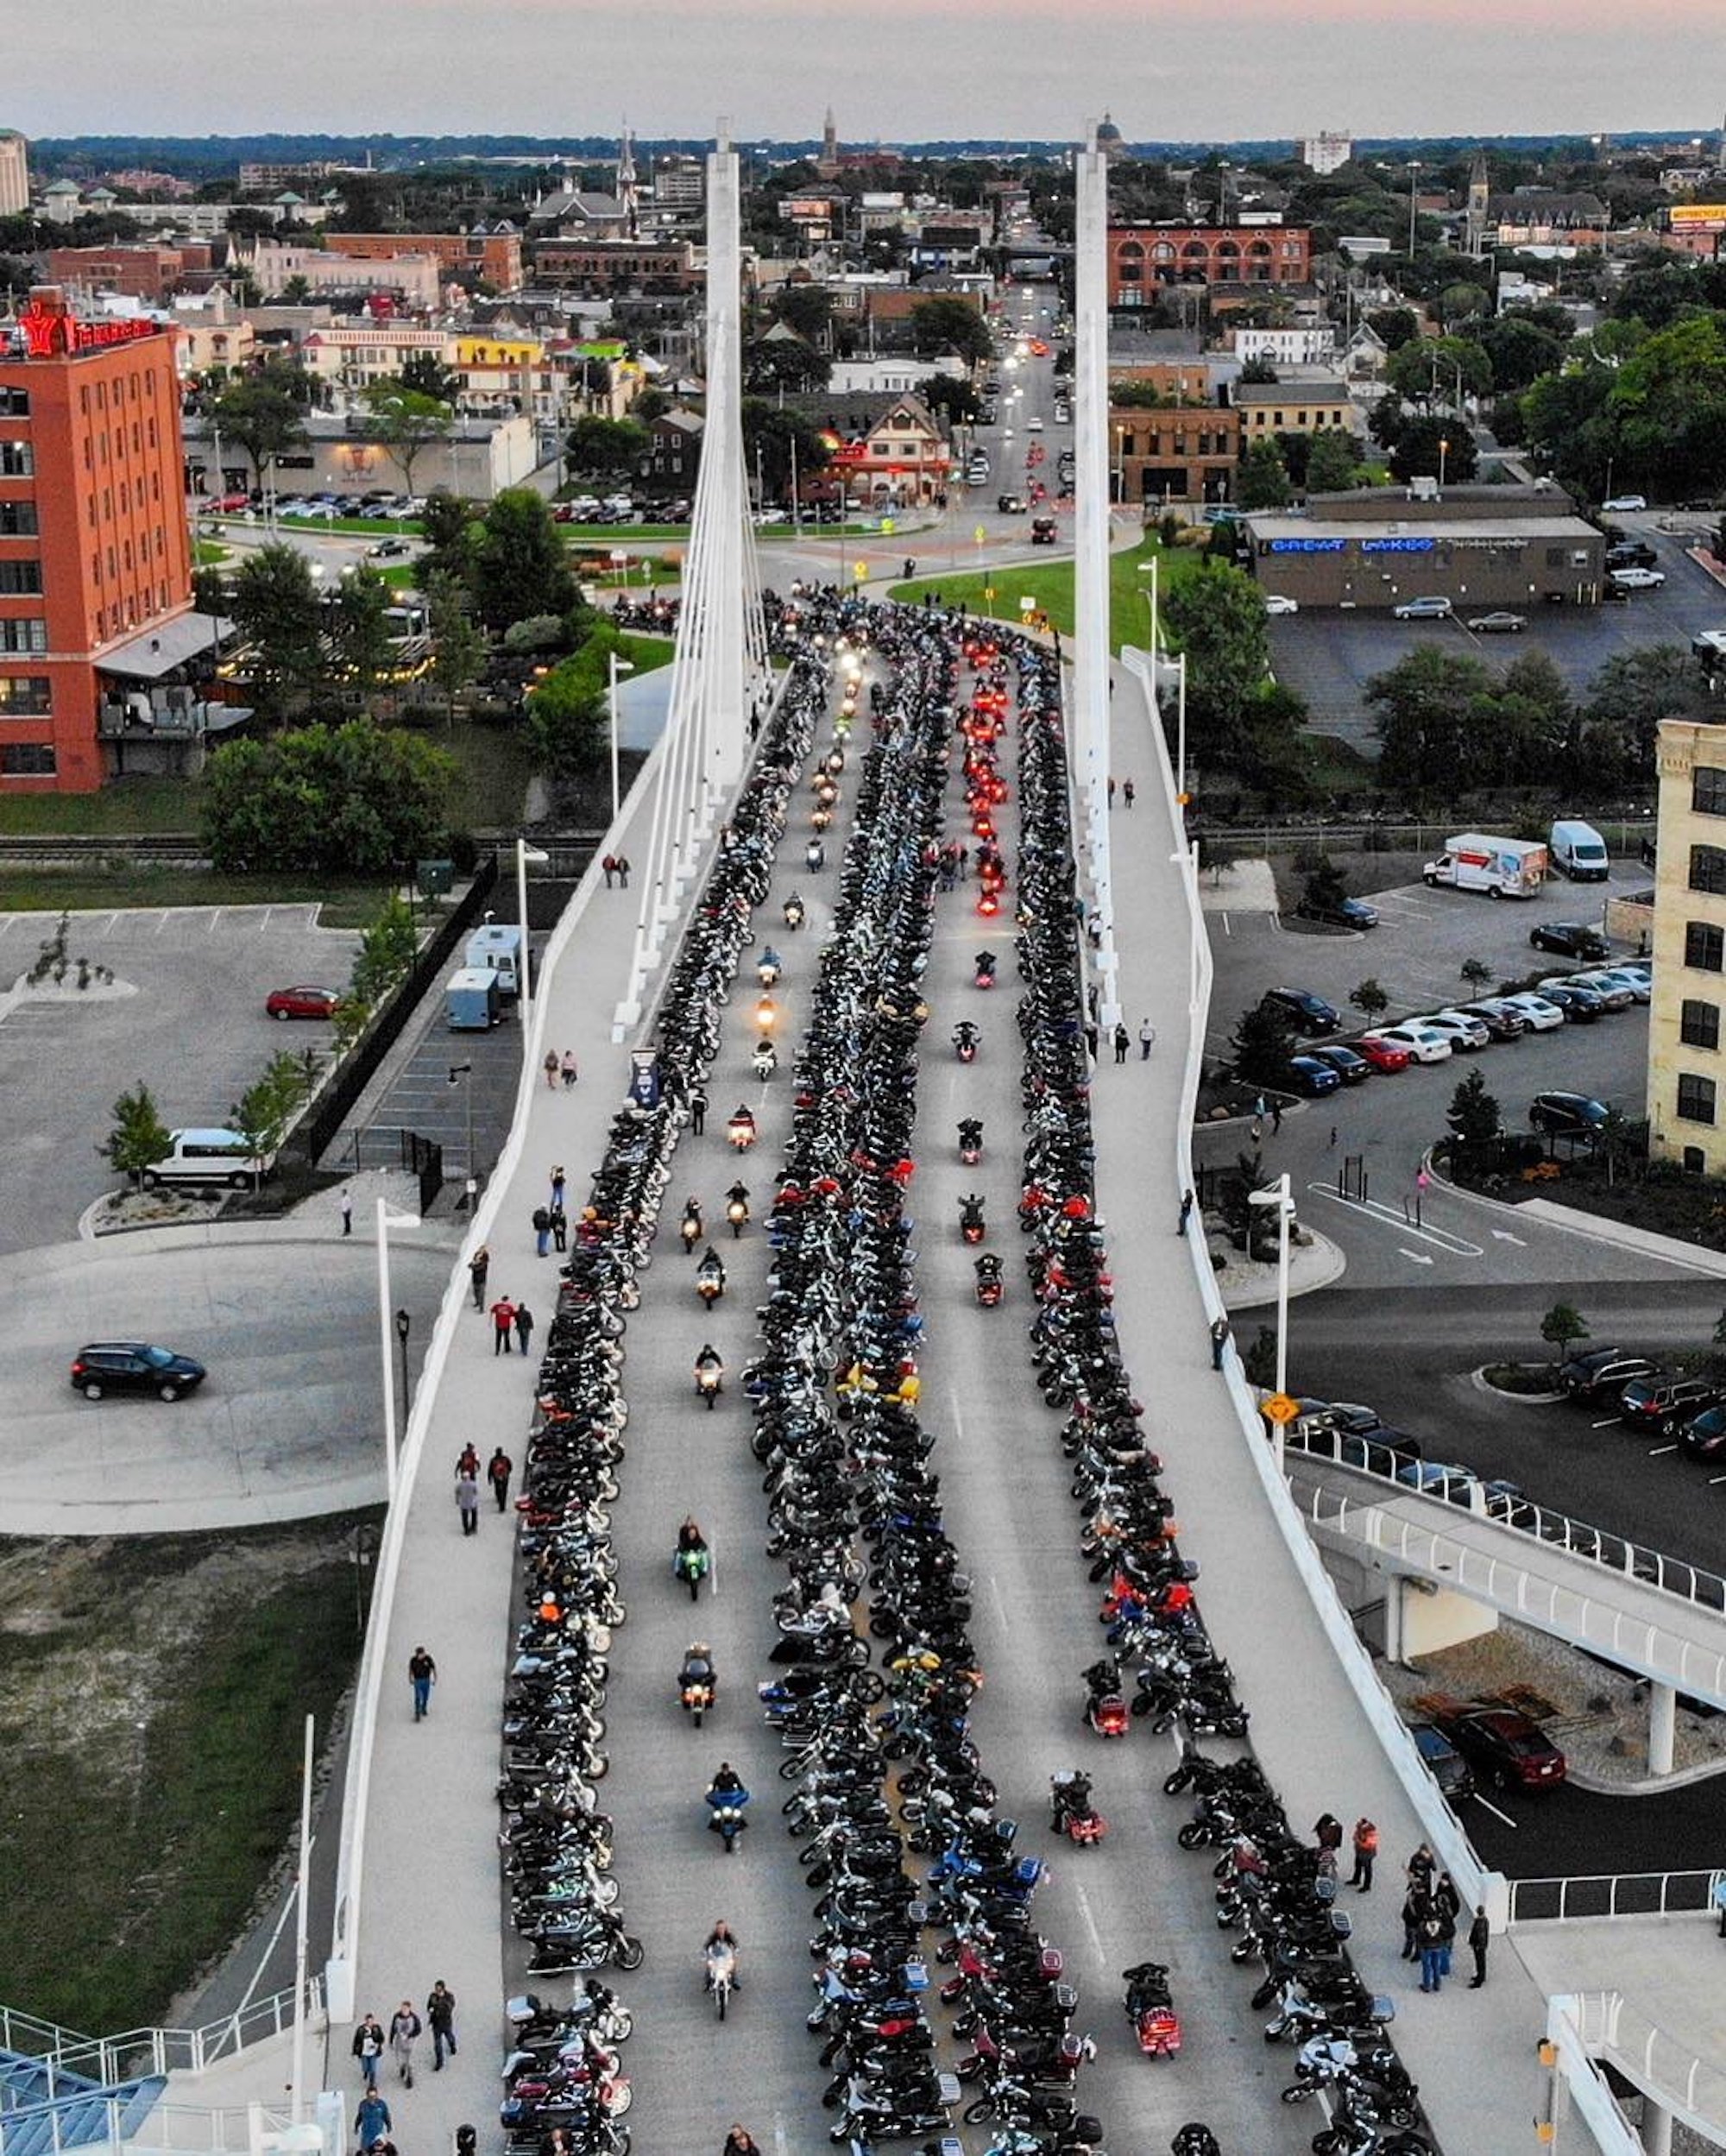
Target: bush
{"points": [[353, 799]]}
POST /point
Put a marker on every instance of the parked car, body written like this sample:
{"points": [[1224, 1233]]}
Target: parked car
{"points": [[1501, 1018], [1636, 579], [1705, 1436], [1581, 1006], [108, 1366], [1466, 1034], [1631, 554], [1306, 1012], [1010, 504], [1346, 913], [1505, 1746], [1616, 995], [1571, 939], [302, 1003], [1625, 504], [1280, 602], [1308, 1075], [1501, 623], [1567, 1114], [1444, 1762], [1385, 1056], [1639, 981], [1541, 1015], [1431, 608], [1421, 1043], [1662, 1403], [1349, 1064], [1601, 1373]]}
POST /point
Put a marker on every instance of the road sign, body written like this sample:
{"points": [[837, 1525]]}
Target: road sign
{"points": [[989, 593], [886, 527], [1279, 1407], [980, 535], [862, 569]]}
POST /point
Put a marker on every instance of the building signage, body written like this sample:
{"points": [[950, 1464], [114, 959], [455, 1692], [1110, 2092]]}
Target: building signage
{"points": [[48, 334], [1307, 545], [1397, 545], [1697, 217]]}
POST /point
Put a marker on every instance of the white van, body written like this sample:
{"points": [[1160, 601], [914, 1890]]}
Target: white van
{"points": [[1580, 853], [210, 1157]]}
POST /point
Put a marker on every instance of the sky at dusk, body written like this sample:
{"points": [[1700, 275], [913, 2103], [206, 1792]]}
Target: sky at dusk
{"points": [[892, 69]]}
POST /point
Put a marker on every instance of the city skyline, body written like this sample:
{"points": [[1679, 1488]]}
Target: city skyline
{"points": [[193, 67]]}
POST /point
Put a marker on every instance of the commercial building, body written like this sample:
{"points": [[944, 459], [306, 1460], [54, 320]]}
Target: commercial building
{"points": [[95, 561], [616, 266], [1481, 547], [15, 174], [489, 254], [1145, 260], [147, 272], [1325, 152], [1184, 447], [1270, 408], [1685, 1077], [413, 278], [346, 454]]}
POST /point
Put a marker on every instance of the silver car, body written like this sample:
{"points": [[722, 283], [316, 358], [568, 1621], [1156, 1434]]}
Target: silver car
{"points": [[1615, 995]]}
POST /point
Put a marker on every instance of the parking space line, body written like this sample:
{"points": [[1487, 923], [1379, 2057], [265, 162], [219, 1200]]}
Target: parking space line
{"points": [[1714, 1479], [161, 924], [1611, 1422], [215, 916], [1494, 1810], [265, 923], [1655, 1451]]}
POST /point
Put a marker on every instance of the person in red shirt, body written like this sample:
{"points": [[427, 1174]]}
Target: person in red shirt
{"points": [[503, 1322]]}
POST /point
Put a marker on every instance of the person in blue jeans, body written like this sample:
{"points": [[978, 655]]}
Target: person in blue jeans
{"points": [[1432, 1940], [371, 2120], [422, 1674]]}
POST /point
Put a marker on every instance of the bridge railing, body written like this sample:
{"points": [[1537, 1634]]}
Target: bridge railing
{"points": [[1674, 1576], [1596, 1895], [1614, 2028], [156, 2051]]}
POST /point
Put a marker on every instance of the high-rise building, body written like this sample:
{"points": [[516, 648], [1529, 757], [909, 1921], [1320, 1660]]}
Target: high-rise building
{"points": [[1325, 152], [95, 559], [15, 174], [1686, 1095]]}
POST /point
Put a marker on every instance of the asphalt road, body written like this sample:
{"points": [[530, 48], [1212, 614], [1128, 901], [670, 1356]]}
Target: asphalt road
{"points": [[196, 1032]]}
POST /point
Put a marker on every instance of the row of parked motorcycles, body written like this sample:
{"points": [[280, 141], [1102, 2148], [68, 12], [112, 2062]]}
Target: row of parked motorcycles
{"points": [[564, 2076], [901, 1839]]}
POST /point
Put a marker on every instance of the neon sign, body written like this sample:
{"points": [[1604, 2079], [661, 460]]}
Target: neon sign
{"points": [[51, 333]]}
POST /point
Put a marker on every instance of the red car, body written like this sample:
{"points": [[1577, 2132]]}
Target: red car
{"points": [[302, 1003], [231, 504], [1382, 1054], [1504, 1747]]}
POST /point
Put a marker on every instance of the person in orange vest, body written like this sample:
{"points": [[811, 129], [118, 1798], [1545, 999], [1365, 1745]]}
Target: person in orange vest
{"points": [[1365, 1853]]}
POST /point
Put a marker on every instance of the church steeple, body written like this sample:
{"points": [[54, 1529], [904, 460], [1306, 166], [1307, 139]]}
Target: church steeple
{"points": [[829, 160], [1479, 199]]}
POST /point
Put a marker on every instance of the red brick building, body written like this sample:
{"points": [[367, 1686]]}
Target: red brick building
{"points": [[139, 272], [1144, 259], [95, 559], [494, 257]]}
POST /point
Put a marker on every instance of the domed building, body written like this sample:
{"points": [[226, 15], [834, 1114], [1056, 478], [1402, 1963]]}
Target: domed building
{"points": [[1109, 139]]}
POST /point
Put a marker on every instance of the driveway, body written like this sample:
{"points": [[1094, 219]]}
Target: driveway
{"points": [[195, 1032]]}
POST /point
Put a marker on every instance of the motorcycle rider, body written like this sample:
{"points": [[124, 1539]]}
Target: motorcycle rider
{"points": [[712, 1267], [720, 1943], [725, 1782], [698, 1668], [769, 962], [970, 1135], [971, 1209], [988, 1270], [737, 1194], [1069, 1797], [690, 1227], [965, 1033], [689, 1537], [1102, 1680]]}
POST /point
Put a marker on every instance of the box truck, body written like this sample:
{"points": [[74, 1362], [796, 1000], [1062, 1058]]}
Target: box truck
{"points": [[471, 1003], [1579, 852], [1503, 867]]}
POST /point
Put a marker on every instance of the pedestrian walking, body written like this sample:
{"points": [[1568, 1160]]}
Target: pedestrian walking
{"points": [[1413, 1907], [499, 1469], [467, 1461], [467, 2139], [404, 2026], [1091, 1036], [560, 1229], [552, 1068], [1112, 790], [1479, 1938], [1129, 791], [740, 2142], [478, 1266], [568, 1068], [1147, 1041], [1275, 1117], [524, 1326], [542, 1231], [1333, 1137], [1219, 1341], [1093, 1001], [1123, 1041], [1431, 1934], [422, 1674], [367, 2048], [697, 1111], [557, 1187], [502, 1320], [346, 1202], [609, 869], [1365, 1853], [467, 1502], [1327, 1831], [623, 871], [440, 2015], [371, 2120], [1186, 1211]]}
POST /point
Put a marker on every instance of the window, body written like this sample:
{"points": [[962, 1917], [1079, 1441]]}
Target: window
{"points": [[20, 578], [1705, 947], [15, 404], [1707, 790], [23, 636], [1708, 868], [1695, 1161], [28, 760], [17, 461], [1695, 1098], [25, 697], [18, 520], [1699, 1025]]}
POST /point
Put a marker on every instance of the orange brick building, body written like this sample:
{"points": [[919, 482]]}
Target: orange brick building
{"points": [[95, 559], [494, 256], [1145, 260]]}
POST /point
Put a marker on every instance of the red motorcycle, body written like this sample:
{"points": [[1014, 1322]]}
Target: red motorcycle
{"points": [[1107, 1715]]}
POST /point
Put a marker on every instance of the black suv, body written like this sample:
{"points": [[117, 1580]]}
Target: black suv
{"points": [[1305, 1012], [1570, 938], [1601, 1373], [1632, 554], [134, 1366]]}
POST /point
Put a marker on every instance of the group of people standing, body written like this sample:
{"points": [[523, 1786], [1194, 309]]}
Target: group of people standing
{"points": [[1432, 1909]]}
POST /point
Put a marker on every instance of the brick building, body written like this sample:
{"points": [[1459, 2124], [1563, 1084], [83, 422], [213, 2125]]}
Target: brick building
{"points": [[493, 256], [140, 272], [1183, 448], [95, 561], [1145, 260], [617, 265]]}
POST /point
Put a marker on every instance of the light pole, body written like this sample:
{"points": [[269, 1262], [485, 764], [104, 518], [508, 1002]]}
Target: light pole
{"points": [[385, 1220], [1151, 566], [1443, 451], [466, 1070], [618, 666], [404, 1326], [1282, 1197], [1181, 737], [523, 854]]}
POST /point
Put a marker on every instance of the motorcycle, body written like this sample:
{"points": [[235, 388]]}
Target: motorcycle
{"points": [[696, 1688], [764, 1060], [983, 975], [710, 1278], [722, 1974], [989, 1285], [689, 1563], [1106, 1713], [725, 1815], [709, 1382], [1071, 1810], [740, 1131], [793, 910], [970, 1142], [964, 1039], [768, 966], [689, 1227], [1150, 2010], [814, 854], [737, 1212], [971, 1220]]}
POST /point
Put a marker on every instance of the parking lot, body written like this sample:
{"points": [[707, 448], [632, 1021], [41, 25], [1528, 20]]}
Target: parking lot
{"points": [[195, 1031], [1330, 656]]}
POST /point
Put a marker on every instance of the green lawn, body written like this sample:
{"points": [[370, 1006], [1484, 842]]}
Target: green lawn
{"points": [[153, 805], [347, 902], [997, 592]]}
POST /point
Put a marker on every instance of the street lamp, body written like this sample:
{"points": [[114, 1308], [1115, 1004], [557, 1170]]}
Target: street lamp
{"points": [[523, 854], [385, 1220], [618, 666], [1282, 1198], [466, 1070], [404, 1326], [1443, 451]]}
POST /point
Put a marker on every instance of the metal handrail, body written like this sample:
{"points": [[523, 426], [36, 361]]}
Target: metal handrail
{"points": [[1613, 2027], [106, 2060], [1674, 1576], [1584, 1619], [1590, 1896], [184, 2129]]}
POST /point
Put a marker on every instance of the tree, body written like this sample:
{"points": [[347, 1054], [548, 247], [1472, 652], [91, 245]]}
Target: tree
{"points": [[1262, 1044], [1262, 478], [520, 565], [599, 448], [451, 529], [783, 363], [387, 950], [808, 309], [1476, 973], [426, 376], [1562, 1325], [1332, 462], [275, 606], [950, 325], [140, 1138], [1258, 368], [1423, 706], [1474, 1115], [566, 714], [264, 1110], [264, 412], [1397, 326], [1369, 1000], [1431, 371], [1430, 448], [353, 800], [1626, 700], [1217, 619], [457, 647], [769, 431], [1520, 350], [1258, 1364], [951, 398], [406, 422], [359, 634]]}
